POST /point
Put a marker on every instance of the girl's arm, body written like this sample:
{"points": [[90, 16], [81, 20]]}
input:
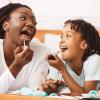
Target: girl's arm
{"points": [[73, 86]]}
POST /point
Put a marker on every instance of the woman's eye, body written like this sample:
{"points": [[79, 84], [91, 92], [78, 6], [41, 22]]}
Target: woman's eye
{"points": [[22, 18]]}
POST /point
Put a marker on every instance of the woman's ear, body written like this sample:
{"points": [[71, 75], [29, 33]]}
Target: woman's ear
{"points": [[84, 45], [6, 26]]}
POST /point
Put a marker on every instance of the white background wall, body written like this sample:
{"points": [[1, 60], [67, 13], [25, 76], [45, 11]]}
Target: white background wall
{"points": [[51, 14]]}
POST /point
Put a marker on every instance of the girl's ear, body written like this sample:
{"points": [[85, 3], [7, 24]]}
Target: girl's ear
{"points": [[84, 45], [6, 26]]}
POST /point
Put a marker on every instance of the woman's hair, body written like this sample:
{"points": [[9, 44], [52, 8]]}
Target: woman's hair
{"points": [[5, 15], [89, 34]]}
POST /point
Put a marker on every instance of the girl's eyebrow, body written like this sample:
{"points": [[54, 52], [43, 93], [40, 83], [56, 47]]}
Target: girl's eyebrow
{"points": [[65, 31]]}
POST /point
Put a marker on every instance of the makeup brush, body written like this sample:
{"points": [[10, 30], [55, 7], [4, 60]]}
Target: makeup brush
{"points": [[25, 45]]}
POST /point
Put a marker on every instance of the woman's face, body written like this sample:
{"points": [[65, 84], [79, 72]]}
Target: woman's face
{"points": [[21, 25], [70, 44]]}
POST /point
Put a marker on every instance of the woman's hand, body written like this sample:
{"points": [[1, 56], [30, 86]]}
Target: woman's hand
{"points": [[22, 57], [56, 62]]}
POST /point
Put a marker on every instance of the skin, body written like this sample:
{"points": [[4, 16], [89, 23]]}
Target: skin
{"points": [[75, 46], [14, 53], [51, 85]]}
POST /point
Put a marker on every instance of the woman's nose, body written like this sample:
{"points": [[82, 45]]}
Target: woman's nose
{"points": [[30, 24]]}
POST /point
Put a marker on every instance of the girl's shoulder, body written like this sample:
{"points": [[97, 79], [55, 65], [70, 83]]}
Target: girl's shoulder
{"points": [[93, 57], [91, 68], [92, 61]]}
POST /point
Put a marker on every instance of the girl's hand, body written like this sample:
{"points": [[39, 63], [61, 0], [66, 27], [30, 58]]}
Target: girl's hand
{"points": [[55, 62], [52, 85]]}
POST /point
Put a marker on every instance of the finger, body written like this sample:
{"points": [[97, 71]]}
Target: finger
{"points": [[18, 50], [53, 87], [47, 89], [40, 88], [51, 81], [51, 62], [48, 57], [29, 54], [60, 83], [28, 57], [51, 57], [25, 50], [56, 56]]}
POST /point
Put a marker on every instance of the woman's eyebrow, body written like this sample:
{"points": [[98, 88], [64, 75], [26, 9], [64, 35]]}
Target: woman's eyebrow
{"points": [[23, 12], [27, 14]]}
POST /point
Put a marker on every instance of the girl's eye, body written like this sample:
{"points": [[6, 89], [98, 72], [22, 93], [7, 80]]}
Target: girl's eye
{"points": [[68, 36], [61, 36]]}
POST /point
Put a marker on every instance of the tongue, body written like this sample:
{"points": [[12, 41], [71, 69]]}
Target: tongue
{"points": [[25, 37], [64, 49]]}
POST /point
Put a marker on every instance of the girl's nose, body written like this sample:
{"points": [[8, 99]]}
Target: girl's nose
{"points": [[62, 40]]}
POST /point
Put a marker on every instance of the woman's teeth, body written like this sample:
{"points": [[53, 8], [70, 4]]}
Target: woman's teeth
{"points": [[25, 37]]}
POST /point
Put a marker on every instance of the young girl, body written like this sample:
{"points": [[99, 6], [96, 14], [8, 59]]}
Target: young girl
{"points": [[80, 49]]}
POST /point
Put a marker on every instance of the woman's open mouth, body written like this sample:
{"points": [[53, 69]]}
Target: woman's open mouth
{"points": [[26, 35]]}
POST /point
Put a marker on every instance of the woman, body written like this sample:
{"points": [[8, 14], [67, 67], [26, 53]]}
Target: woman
{"points": [[21, 62]]}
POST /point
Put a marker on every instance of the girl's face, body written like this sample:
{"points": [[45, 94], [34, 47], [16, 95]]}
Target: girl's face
{"points": [[71, 44], [21, 26]]}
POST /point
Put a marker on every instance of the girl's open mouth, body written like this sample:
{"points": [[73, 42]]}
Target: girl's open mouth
{"points": [[63, 49]]}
